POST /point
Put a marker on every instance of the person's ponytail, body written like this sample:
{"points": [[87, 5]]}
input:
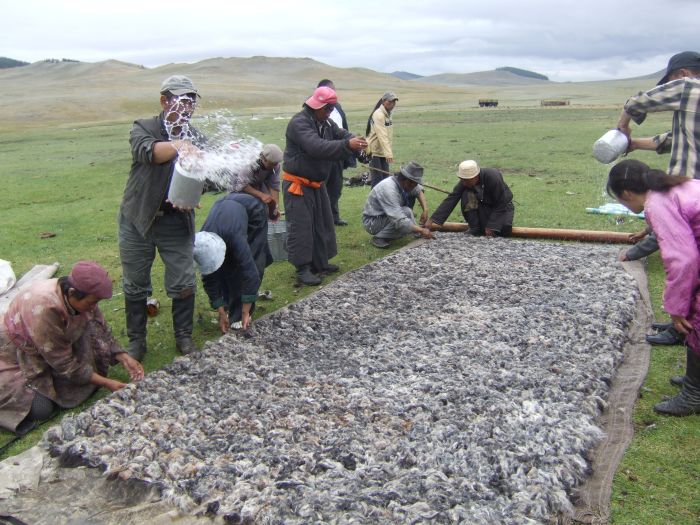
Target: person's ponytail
{"points": [[636, 177], [369, 120]]}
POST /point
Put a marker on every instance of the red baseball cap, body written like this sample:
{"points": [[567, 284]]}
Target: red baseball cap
{"points": [[90, 278], [321, 97]]}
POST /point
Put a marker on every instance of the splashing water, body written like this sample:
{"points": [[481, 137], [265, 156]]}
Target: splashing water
{"points": [[225, 154], [177, 119]]}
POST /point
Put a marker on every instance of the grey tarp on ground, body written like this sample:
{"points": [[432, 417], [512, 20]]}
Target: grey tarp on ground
{"points": [[593, 498], [95, 499]]}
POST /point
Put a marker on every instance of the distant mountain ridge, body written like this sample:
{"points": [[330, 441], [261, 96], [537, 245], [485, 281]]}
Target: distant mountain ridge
{"points": [[6, 63], [504, 76], [57, 91], [522, 72], [405, 75]]}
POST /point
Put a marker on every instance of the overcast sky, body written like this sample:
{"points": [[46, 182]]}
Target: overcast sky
{"points": [[565, 40]]}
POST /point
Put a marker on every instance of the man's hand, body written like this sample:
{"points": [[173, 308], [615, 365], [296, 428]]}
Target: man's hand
{"points": [[681, 324], [224, 325], [245, 315], [113, 385], [423, 218], [425, 233], [390, 160], [489, 232], [245, 320], [357, 143], [638, 236], [184, 208], [131, 365], [622, 257], [623, 124], [188, 153]]}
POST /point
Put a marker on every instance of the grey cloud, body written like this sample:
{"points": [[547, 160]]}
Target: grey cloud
{"points": [[582, 39]]}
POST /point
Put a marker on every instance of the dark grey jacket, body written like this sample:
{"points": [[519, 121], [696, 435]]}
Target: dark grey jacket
{"points": [[313, 146], [148, 183], [491, 193]]}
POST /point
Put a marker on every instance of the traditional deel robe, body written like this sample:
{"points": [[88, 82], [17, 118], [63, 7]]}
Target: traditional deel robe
{"points": [[45, 348], [675, 218], [487, 205], [241, 221], [311, 149]]}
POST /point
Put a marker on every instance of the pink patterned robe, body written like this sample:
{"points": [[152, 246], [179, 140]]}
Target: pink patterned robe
{"points": [[46, 349], [675, 218]]}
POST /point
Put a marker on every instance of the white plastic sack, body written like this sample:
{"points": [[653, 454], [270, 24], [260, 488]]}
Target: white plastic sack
{"points": [[38, 271], [7, 276]]}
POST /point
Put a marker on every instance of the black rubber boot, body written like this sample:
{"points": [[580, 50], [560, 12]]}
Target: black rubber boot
{"points": [[378, 242], [136, 317], [677, 380], [688, 401], [305, 276], [668, 337], [331, 268], [183, 315]]}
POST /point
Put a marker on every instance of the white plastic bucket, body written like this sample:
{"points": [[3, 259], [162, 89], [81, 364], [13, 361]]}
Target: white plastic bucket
{"points": [[610, 146], [185, 189]]}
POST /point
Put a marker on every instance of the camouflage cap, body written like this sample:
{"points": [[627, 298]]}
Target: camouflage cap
{"points": [[178, 85]]}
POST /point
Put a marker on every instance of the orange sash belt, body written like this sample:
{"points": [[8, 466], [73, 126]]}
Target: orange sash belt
{"points": [[297, 182]]}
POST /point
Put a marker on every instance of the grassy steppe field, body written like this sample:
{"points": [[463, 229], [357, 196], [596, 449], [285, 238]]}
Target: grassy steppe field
{"points": [[68, 180]]}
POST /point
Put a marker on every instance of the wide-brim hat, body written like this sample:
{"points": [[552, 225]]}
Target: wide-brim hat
{"points": [[209, 252], [413, 171], [468, 169], [686, 59]]}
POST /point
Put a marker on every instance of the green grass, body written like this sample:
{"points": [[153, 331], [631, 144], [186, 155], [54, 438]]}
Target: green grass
{"points": [[69, 181]]}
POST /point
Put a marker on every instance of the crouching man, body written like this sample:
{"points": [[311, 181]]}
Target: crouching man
{"points": [[388, 214], [486, 200], [231, 252]]}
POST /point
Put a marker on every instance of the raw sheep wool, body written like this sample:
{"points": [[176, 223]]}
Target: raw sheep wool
{"points": [[455, 381]]}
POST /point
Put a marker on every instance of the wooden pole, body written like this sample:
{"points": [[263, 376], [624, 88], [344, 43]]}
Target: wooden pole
{"points": [[422, 183], [548, 233]]}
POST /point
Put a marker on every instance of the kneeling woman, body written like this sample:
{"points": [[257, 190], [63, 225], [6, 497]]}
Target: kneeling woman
{"points": [[672, 208], [55, 347]]}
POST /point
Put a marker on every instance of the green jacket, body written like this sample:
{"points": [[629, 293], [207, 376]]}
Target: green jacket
{"points": [[148, 183]]}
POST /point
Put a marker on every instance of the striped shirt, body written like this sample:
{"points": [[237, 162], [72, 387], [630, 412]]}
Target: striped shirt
{"points": [[681, 96]]}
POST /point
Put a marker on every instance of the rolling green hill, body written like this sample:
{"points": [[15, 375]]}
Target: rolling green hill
{"points": [[66, 92]]}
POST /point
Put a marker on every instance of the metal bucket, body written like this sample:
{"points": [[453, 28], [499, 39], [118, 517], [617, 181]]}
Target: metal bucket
{"points": [[277, 240], [610, 146], [185, 189]]}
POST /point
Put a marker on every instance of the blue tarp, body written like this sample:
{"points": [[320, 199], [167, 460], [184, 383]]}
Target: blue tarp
{"points": [[614, 208]]}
